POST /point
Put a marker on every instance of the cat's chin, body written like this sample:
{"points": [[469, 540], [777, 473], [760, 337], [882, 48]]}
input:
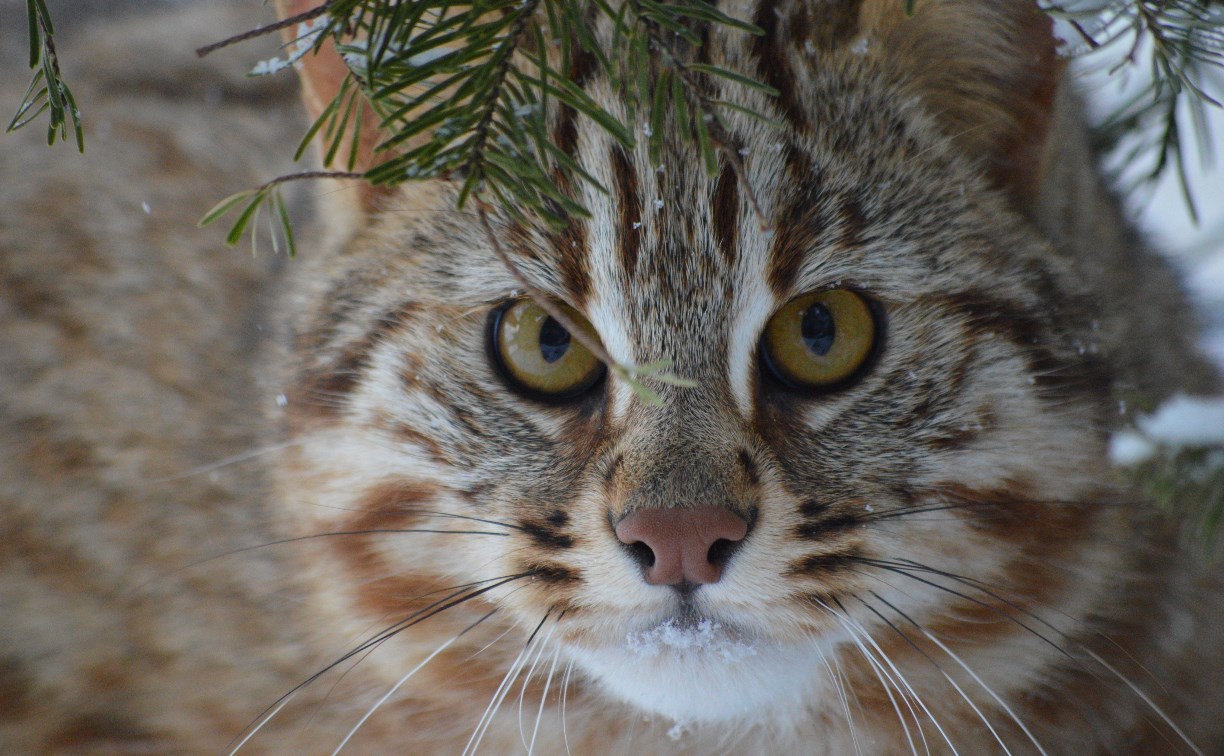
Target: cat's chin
{"points": [[703, 671]]}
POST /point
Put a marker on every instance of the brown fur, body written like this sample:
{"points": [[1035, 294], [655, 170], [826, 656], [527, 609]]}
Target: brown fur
{"points": [[954, 500]]}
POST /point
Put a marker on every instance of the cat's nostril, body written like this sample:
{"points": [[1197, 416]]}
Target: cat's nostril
{"points": [[721, 551], [642, 554], [682, 546]]}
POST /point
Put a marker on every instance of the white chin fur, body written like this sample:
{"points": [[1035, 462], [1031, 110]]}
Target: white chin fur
{"points": [[705, 673]]}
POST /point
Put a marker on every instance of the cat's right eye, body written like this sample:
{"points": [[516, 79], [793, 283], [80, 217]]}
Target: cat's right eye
{"points": [[537, 355]]}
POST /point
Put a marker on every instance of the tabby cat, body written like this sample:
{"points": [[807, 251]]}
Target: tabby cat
{"points": [[884, 520]]}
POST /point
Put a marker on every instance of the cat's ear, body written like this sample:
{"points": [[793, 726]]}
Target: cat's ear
{"points": [[322, 75], [987, 69]]}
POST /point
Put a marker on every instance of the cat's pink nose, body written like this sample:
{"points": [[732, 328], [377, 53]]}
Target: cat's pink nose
{"points": [[682, 545]]}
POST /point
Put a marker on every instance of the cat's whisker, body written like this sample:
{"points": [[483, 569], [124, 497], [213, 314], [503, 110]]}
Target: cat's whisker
{"points": [[311, 537], [912, 692], [984, 508], [455, 598], [887, 683], [369, 713], [235, 459], [989, 691], [415, 511], [565, 681], [1146, 700], [998, 699], [262, 720], [960, 691], [335, 684], [503, 689], [472, 519], [543, 646], [1077, 646], [994, 594], [493, 642], [535, 731], [906, 570], [840, 686]]}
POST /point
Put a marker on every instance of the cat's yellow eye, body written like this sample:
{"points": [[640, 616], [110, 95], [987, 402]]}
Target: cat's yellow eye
{"points": [[537, 353], [820, 339]]}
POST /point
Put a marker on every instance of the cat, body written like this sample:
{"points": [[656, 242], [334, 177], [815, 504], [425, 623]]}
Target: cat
{"points": [[376, 497]]}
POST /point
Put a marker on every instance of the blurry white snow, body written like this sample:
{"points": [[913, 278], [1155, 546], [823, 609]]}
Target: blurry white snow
{"points": [[1182, 421]]}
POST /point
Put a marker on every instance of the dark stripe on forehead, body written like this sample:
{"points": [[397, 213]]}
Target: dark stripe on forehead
{"points": [[836, 24], [565, 133], [724, 214], [521, 243], [565, 128], [773, 63], [582, 61], [569, 245], [795, 231], [630, 206], [852, 222]]}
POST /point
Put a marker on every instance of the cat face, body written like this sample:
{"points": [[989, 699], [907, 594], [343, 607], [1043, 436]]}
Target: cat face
{"points": [[967, 442], [948, 478]]}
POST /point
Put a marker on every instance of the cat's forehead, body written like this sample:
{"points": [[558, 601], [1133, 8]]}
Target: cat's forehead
{"points": [[675, 262], [681, 247]]}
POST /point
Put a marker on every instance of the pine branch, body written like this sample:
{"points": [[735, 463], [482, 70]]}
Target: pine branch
{"points": [[47, 92], [252, 202], [1187, 42]]}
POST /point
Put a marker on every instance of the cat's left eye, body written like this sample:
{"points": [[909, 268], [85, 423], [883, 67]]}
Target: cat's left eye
{"points": [[536, 354], [819, 341]]}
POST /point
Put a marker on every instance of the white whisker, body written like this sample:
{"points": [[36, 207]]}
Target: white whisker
{"points": [[543, 700], [840, 686], [946, 676], [1011, 714], [901, 677], [543, 645], [499, 695], [1144, 697], [226, 462], [262, 722], [391, 692], [565, 681], [880, 673]]}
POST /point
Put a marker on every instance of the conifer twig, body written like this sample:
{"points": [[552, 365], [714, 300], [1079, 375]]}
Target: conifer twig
{"points": [[47, 93], [251, 200], [262, 31]]}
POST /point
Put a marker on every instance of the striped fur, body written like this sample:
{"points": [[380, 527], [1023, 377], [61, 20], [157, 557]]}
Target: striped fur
{"points": [[939, 553]]}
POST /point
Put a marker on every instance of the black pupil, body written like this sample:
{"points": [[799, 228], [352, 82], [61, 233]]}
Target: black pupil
{"points": [[554, 340], [818, 329]]}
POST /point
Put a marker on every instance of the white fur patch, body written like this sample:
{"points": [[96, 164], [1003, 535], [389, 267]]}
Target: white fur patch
{"points": [[707, 672]]}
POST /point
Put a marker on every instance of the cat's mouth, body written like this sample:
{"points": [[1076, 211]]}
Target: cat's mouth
{"points": [[691, 635]]}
